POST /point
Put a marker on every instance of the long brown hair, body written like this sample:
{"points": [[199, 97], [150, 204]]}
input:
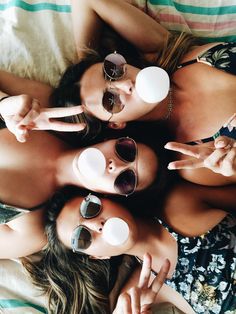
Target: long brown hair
{"points": [[72, 283], [177, 45]]}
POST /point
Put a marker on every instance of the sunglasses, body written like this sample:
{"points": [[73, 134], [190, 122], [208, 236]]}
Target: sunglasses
{"points": [[81, 237], [126, 181], [114, 69], [91, 206]]}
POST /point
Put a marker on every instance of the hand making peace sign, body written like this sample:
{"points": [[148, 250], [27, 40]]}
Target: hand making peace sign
{"points": [[140, 298], [23, 113], [218, 156]]}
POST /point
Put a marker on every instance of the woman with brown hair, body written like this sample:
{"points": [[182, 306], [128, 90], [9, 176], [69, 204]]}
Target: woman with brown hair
{"points": [[201, 98]]}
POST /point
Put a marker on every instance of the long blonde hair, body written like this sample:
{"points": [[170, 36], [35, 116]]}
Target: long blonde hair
{"points": [[72, 283]]}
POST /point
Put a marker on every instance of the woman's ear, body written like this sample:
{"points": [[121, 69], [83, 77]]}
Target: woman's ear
{"points": [[99, 257], [117, 125]]}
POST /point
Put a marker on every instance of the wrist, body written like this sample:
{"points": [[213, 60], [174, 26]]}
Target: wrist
{"points": [[1, 99]]}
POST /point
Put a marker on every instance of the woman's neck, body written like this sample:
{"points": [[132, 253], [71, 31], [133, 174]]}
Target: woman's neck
{"points": [[65, 174], [162, 110], [157, 241]]}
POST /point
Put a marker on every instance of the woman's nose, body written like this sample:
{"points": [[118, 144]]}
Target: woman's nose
{"points": [[114, 165], [124, 85], [95, 224]]}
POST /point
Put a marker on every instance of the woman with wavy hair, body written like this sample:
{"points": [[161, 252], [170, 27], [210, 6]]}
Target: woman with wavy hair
{"points": [[192, 230]]}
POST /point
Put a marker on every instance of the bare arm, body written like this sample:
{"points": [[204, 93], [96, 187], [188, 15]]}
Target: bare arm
{"points": [[130, 22], [11, 84], [22, 236], [205, 205]]}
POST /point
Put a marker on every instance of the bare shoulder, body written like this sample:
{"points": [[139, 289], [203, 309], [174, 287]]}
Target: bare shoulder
{"points": [[193, 209], [22, 236], [197, 50]]}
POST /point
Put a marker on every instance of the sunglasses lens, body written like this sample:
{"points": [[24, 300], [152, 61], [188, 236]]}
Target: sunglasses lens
{"points": [[125, 183], [114, 66], [126, 149], [81, 239], [111, 102], [90, 207]]}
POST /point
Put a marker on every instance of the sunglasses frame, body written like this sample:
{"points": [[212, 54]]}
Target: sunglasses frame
{"points": [[107, 77], [86, 199], [126, 161]]}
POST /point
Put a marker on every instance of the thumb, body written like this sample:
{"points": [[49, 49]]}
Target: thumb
{"points": [[223, 142], [22, 135]]}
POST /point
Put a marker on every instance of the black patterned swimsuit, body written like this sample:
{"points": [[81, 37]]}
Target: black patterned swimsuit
{"points": [[205, 273], [222, 57]]}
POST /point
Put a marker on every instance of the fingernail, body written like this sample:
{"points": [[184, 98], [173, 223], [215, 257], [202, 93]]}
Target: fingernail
{"points": [[170, 167], [21, 131], [220, 144]]}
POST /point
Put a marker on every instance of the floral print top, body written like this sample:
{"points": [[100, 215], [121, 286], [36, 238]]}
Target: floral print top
{"points": [[222, 57], [205, 273]]}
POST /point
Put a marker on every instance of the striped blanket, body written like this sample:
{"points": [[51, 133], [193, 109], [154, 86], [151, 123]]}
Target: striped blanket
{"points": [[17, 294], [37, 40]]}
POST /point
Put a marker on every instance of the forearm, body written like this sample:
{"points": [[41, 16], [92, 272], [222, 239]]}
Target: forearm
{"points": [[130, 22], [87, 26], [11, 84]]}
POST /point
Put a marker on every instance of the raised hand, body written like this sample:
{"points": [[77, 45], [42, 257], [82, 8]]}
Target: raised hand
{"points": [[23, 113], [218, 156], [140, 298]]}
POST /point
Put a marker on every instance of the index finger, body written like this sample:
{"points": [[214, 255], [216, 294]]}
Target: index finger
{"points": [[183, 148], [161, 277], [197, 151], [145, 271], [186, 164], [66, 126], [62, 112]]}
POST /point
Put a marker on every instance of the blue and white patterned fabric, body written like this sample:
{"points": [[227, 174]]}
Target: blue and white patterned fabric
{"points": [[205, 273]]}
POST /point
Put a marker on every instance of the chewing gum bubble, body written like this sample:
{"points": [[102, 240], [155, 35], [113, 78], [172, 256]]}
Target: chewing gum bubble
{"points": [[115, 231], [91, 163], [152, 84]]}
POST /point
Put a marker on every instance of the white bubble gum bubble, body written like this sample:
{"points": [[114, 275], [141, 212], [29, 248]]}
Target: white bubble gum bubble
{"points": [[115, 231], [91, 163], [152, 84]]}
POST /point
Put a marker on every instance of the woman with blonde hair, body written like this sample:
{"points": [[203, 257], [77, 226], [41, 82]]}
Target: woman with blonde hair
{"points": [[192, 230]]}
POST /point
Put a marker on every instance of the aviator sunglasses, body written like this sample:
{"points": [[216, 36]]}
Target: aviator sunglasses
{"points": [[114, 69]]}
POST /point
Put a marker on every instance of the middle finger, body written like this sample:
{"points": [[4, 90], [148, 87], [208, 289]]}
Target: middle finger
{"points": [[161, 277]]}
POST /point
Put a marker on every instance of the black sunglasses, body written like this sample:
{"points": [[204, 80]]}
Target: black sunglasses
{"points": [[81, 237], [114, 69], [126, 181]]}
